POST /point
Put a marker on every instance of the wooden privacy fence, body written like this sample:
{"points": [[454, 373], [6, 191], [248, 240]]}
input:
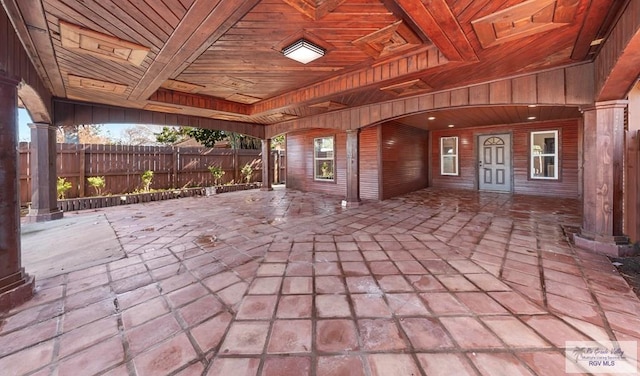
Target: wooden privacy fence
{"points": [[122, 166]]}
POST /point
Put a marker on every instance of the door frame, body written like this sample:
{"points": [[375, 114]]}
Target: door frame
{"points": [[476, 153]]}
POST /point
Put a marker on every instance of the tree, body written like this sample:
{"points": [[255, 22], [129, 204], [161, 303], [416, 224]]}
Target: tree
{"points": [[172, 135], [139, 134], [84, 134], [278, 142], [207, 137]]}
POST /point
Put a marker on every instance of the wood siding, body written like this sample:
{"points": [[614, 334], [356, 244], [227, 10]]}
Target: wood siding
{"points": [[370, 163], [404, 159], [616, 66], [15, 63], [300, 162], [566, 186], [570, 86]]}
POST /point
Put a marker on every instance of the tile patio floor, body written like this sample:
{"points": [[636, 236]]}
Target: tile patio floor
{"points": [[289, 283]]}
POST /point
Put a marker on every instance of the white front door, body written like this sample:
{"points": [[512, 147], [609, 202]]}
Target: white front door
{"points": [[494, 162]]}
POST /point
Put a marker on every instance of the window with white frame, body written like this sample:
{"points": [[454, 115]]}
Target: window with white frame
{"points": [[449, 155], [323, 158], [544, 155]]}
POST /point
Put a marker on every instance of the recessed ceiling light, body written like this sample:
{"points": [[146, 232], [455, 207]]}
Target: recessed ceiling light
{"points": [[303, 51], [431, 118], [450, 125], [531, 118], [532, 106]]}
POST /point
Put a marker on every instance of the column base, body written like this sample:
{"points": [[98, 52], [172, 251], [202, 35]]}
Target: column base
{"points": [[15, 290], [350, 204], [614, 246], [41, 215], [266, 189]]}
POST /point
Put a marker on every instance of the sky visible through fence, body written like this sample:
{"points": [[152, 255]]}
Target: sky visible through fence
{"points": [[114, 131]]}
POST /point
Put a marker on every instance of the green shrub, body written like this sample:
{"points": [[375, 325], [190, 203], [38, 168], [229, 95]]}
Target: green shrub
{"points": [[217, 173], [62, 187], [147, 178], [247, 172], [97, 182]]}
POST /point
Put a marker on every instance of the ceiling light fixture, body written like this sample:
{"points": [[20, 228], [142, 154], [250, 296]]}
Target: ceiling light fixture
{"points": [[450, 125], [303, 51], [431, 118], [531, 118]]}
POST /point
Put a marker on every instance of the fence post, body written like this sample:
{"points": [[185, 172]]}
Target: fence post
{"points": [[276, 166], [236, 165], [174, 176], [82, 156]]}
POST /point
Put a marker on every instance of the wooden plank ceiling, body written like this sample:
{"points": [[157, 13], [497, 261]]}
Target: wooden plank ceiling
{"points": [[223, 58]]}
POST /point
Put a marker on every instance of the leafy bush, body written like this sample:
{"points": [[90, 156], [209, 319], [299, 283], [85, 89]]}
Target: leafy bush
{"points": [[217, 173], [62, 187], [147, 177], [247, 172], [97, 182]]}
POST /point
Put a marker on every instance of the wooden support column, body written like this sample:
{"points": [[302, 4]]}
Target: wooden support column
{"points": [[632, 168], [353, 168], [267, 174], [16, 286], [44, 197], [603, 153]]}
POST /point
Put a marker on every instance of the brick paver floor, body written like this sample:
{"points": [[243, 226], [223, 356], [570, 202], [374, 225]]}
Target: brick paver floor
{"points": [[291, 283]]}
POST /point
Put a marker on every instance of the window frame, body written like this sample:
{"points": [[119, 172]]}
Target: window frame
{"points": [[454, 156], [541, 155], [316, 159]]}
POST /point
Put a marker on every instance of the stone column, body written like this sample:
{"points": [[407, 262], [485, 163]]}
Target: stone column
{"points": [[603, 155], [267, 174], [353, 168], [44, 196], [15, 285]]}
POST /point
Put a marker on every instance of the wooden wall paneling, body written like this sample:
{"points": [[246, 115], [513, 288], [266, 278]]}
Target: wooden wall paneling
{"points": [[404, 159], [5, 34], [442, 100], [369, 158], [500, 92], [567, 186], [466, 160], [426, 102], [551, 87], [518, 90], [460, 97], [412, 105], [525, 89], [14, 62], [300, 162], [479, 94], [616, 65], [580, 84]]}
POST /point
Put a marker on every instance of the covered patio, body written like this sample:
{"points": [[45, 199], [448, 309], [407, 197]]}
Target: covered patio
{"points": [[283, 282]]}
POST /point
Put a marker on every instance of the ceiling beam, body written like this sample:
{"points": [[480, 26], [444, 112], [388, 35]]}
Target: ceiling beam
{"points": [[408, 67], [436, 20], [31, 26], [200, 101], [618, 63], [204, 23], [590, 28]]}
